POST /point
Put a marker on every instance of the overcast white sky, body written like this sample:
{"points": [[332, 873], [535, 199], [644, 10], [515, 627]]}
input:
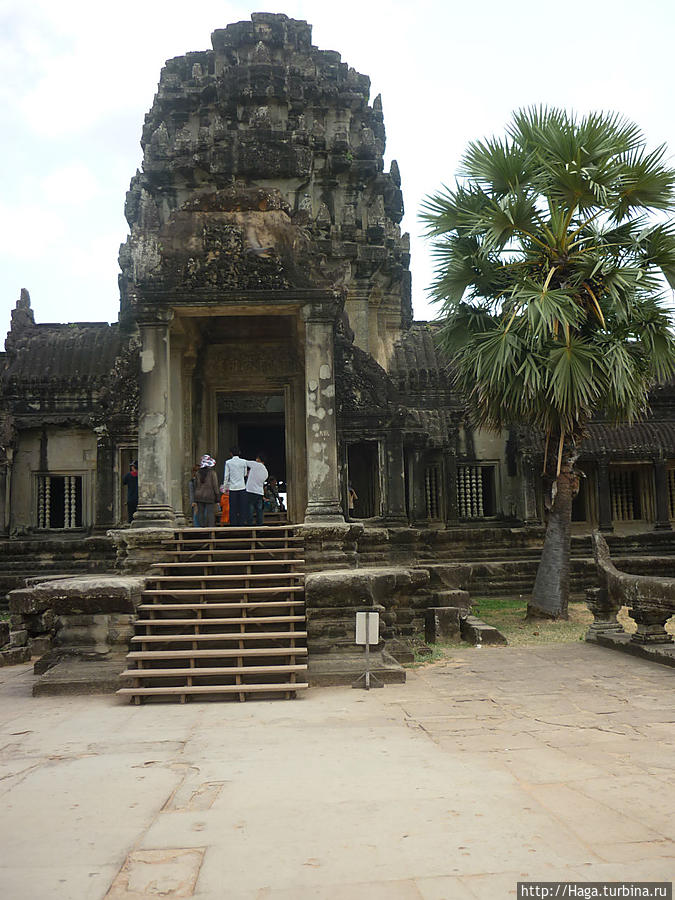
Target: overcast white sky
{"points": [[76, 79]]}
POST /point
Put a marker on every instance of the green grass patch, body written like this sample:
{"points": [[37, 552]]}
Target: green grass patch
{"points": [[508, 616]]}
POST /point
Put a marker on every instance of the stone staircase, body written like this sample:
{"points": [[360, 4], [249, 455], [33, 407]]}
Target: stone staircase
{"points": [[222, 616]]}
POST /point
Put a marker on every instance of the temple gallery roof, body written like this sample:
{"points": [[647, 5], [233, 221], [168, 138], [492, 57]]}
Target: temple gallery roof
{"points": [[645, 440], [78, 352]]}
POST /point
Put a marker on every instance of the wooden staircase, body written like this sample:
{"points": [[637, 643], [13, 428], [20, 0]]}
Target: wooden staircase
{"points": [[224, 615]]}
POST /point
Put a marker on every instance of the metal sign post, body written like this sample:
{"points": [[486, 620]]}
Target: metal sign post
{"points": [[367, 632]]}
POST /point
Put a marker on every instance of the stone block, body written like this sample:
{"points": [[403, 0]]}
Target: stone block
{"points": [[14, 656], [41, 623], [363, 587], [40, 645], [477, 632], [18, 638], [442, 623], [25, 601], [4, 633], [16, 621]]}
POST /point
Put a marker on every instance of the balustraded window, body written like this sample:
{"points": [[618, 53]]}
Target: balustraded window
{"points": [[59, 501], [475, 491], [432, 491], [624, 488]]}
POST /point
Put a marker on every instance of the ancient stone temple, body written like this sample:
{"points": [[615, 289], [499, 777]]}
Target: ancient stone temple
{"points": [[266, 303]]}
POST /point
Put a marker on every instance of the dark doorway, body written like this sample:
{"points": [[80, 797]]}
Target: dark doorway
{"points": [[267, 439], [255, 423], [363, 470]]}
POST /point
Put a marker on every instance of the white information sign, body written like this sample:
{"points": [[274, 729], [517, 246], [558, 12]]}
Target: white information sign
{"points": [[372, 619]]}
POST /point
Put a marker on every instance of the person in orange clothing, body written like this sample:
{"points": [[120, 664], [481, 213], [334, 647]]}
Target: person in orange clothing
{"points": [[224, 508]]}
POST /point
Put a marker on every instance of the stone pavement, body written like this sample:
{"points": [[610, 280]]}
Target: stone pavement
{"points": [[496, 766]]}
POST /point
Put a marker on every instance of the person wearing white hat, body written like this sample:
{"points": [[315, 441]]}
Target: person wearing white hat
{"points": [[207, 493]]}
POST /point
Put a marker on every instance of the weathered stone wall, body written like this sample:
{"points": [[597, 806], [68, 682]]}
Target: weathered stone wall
{"points": [[263, 170], [70, 451]]}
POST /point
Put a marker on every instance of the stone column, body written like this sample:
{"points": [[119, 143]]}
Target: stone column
{"points": [[395, 512], [176, 432], [155, 507], [323, 489], [604, 497], [530, 507], [189, 362], [662, 522], [418, 506], [105, 488], [4, 484]]}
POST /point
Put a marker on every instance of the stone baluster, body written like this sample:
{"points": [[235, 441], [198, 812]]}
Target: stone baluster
{"points": [[323, 490], [604, 608]]}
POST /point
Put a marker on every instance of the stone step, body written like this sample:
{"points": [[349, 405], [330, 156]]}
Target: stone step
{"points": [[227, 579]]}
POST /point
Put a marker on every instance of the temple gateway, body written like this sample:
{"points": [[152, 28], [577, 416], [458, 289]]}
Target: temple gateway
{"points": [[265, 301]]}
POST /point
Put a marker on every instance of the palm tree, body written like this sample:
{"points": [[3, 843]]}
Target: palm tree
{"points": [[551, 255]]}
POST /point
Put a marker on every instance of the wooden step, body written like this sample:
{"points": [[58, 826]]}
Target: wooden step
{"points": [[242, 604], [225, 592], [228, 563], [213, 689], [224, 552], [237, 540], [206, 671], [214, 654], [221, 636], [249, 576], [249, 620]]}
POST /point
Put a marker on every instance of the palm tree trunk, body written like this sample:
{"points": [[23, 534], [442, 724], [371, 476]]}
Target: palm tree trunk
{"points": [[552, 584]]}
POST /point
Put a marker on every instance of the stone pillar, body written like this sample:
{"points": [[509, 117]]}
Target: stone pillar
{"points": [[323, 489], [604, 497], [662, 522], [530, 508], [188, 368], [4, 506], [155, 507], [417, 500], [395, 511], [105, 489], [176, 413]]}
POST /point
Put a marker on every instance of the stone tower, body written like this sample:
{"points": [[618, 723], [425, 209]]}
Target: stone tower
{"points": [[261, 221]]}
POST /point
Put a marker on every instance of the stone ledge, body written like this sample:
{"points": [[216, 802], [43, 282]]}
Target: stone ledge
{"points": [[663, 654], [338, 669], [78, 676], [478, 632]]}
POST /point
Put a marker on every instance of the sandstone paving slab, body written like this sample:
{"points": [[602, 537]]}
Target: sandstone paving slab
{"points": [[372, 890], [543, 765], [169, 872], [62, 882], [590, 819], [343, 788], [636, 852]]}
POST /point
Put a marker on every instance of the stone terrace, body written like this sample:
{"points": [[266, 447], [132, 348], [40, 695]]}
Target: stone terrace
{"points": [[495, 766]]}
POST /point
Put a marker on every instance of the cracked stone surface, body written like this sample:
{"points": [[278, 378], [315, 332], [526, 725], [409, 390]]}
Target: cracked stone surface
{"points": [[491, 767]]}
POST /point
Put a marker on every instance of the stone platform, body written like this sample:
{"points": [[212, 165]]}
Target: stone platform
{"points": [[493, 767]]}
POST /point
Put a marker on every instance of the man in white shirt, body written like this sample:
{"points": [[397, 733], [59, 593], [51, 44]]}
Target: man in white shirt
{"points": [[234, 482], [255, 486]]}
